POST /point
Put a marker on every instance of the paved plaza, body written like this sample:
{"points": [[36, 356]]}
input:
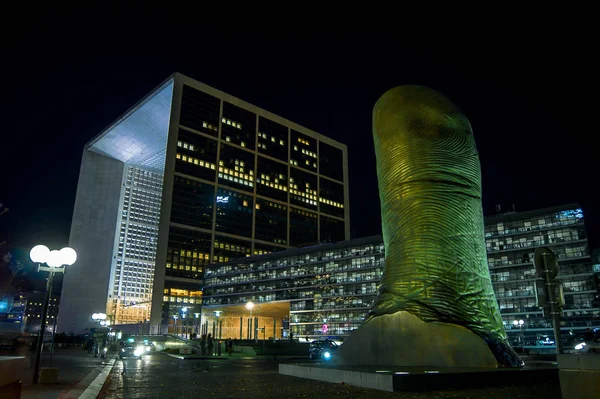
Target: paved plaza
{"points": [[162, 376]]}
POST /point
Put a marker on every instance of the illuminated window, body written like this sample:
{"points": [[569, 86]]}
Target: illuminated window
{"points": [[178, 156], [257, 206], [295, 148], [185, 145], [179, 144], [245, 203], [243, 144], [227, 138]]}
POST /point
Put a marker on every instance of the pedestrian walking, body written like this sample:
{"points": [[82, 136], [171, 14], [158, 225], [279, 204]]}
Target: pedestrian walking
{"points": [[230, 346], [210, 345], [203, 344]]}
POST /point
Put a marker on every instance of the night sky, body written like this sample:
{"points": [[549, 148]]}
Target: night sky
{"points": [[527, 100]]}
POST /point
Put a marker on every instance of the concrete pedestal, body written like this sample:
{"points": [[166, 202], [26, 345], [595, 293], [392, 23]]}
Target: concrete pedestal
{"points": [[402, 339], [579, 376]]}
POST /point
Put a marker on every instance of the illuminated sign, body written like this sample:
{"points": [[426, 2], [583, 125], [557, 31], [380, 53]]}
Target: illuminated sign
{"points": [[222, 199], [573, 213]]}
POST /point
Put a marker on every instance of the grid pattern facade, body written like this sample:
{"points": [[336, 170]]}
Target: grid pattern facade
{"points": [[187, 177], [245, 184], [248, 178], [331, 287], [330, 284], [511, 240], [136, 250]]}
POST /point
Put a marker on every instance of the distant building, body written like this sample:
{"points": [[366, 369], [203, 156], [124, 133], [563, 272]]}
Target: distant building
{"points": [[328, 289], [22, 312], [187, 177], [511, 240], [34, 308], [12, 312]]}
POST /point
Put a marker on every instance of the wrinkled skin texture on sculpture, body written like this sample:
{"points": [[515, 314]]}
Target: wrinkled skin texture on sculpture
{"points": [[430, 191]]}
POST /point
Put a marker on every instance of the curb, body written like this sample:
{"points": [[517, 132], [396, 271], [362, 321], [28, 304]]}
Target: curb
{"points": [[94, 389], [195, 357]]}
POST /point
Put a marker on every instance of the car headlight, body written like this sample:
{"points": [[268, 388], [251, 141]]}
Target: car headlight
{"points": [[122, 350], [148, 349], [138, 351], [579, 346], [327, 355]]}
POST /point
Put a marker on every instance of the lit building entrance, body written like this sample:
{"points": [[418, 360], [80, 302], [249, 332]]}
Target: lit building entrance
{"points": [[250, 321]]}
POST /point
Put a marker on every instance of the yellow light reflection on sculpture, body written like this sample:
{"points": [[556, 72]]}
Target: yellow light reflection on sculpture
{"points": [[430, 191]]}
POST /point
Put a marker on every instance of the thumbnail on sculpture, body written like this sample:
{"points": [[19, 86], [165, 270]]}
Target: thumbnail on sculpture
{"points": [[436, 305]]}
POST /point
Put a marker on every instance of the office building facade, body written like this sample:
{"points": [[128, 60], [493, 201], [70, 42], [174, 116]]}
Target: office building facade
{"points": [[330, 288], [192, 176]]}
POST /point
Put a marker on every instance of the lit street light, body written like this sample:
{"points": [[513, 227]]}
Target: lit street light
{"points": [[183, 321], [55, 261], [175, 317], [519, 323]]}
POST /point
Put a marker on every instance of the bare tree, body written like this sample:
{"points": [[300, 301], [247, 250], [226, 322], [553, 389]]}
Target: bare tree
{"points": [[17, 269], [3, 210]]}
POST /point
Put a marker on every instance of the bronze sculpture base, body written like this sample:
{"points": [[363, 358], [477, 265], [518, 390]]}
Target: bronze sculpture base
{"points": [[402, 339]]}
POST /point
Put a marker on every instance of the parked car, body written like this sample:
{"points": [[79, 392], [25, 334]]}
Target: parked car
{"points": [[322, 349], [591, 346]]}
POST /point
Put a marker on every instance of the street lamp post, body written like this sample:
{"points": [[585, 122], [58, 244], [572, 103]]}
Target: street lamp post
{"points": [[250, 306], [197, 323], [55, 261], [175, 325], [519, 323], [183, 321]]}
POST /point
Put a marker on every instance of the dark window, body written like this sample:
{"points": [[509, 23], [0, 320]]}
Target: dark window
{"points": [[332, 230], [187, 253], [196, 155], [238, 126], [236, 168], [272, 139], [331, 198], [303, 228], [272, 179], [270, 221], [199, 111], [303, 189], [331, 161], [192, 203], [303, 151], [227, 248], [234, 212]]}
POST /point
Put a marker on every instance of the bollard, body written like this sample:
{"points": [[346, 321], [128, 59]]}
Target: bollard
{"points": [[219, 349]]}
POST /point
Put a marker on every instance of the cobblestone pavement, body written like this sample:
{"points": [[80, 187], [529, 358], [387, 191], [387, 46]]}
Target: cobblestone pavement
{"points": [[161, 376]]}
